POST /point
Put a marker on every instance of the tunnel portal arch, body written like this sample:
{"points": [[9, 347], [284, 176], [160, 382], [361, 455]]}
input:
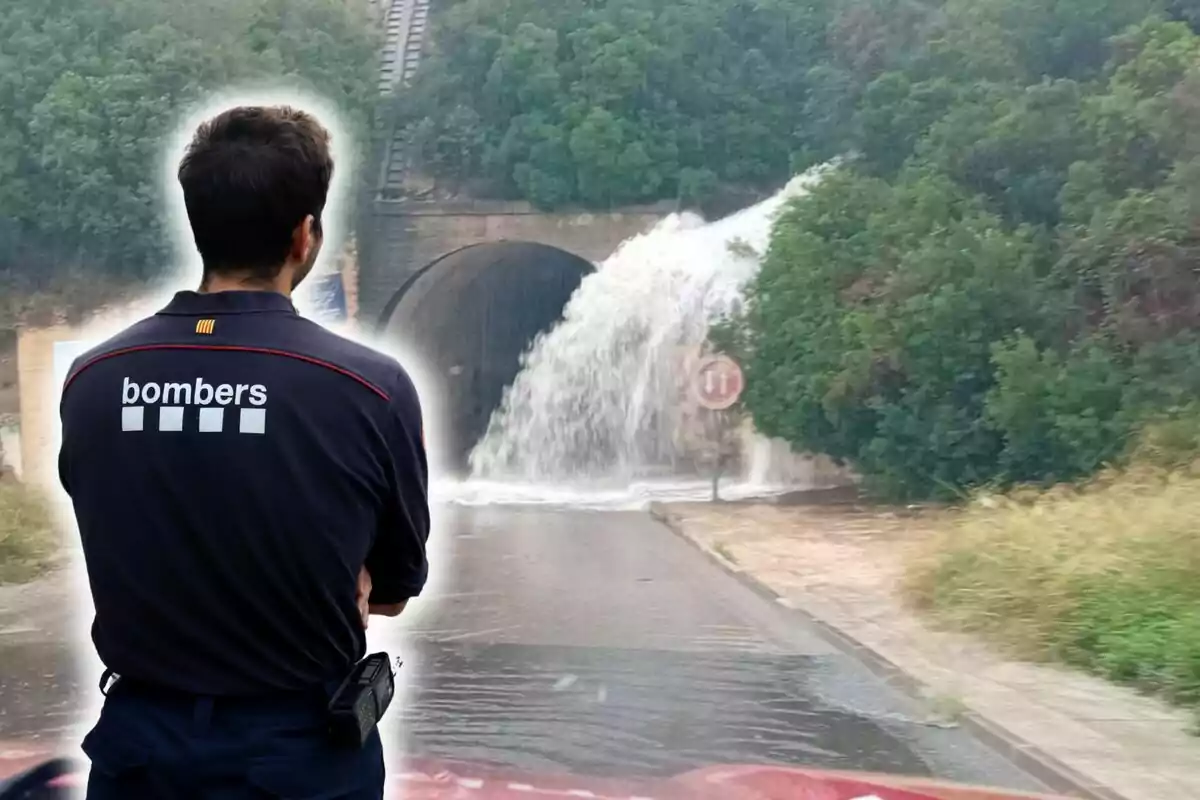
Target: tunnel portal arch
{"points": [[470, 315]]}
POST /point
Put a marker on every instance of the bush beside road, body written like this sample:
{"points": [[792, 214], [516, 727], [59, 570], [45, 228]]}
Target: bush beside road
{"points": [[28, 538], [1104, 577]]}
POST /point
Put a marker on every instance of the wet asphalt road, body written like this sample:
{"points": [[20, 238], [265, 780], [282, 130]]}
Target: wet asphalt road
{"points": [[38, 679], [571, 641], [600, 643]]}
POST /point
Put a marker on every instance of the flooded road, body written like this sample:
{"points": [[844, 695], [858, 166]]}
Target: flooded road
{"points": [[596, 643], [599, 643]]}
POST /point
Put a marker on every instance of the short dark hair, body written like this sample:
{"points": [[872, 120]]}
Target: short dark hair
{"points": [[249, 177]]}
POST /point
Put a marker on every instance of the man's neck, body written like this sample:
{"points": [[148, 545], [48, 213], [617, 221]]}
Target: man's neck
{"points": [[244, 282]]}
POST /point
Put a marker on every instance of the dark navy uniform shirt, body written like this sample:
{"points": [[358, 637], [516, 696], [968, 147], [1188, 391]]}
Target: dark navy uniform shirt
{"points": [[231, 466]]}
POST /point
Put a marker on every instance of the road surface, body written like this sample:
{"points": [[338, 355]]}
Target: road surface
{"points": [[597, 643], [602, 644], [38, 679]]}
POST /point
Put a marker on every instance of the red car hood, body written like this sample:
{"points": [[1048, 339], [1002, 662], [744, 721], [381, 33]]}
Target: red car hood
{"points": [[439, 780], [432, 780]]}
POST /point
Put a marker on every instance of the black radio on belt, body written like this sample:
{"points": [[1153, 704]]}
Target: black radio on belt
{"points": [[361, 700]]}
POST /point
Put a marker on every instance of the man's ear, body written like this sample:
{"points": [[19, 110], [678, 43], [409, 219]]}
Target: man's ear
{"points": [[304, 239]]}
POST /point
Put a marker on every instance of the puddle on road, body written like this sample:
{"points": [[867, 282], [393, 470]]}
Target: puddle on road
{"points": [[633, 713]]}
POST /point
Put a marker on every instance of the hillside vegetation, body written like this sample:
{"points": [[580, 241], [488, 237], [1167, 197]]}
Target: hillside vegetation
{"points": [[997, 289], [89, 91], [1001, 287], [1105, 578], [28, 536]]}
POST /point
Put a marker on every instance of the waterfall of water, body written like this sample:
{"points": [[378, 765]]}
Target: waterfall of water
{"points": [[597, 405]]}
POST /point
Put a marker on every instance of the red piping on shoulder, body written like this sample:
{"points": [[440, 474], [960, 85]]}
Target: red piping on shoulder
{"points": [[231, 348]]}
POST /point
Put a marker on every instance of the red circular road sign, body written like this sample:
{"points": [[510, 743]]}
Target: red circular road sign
{"points": [[718, 383]]}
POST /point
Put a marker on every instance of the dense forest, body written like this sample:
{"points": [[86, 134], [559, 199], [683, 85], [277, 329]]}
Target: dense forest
{"points": [[91, 89], [604, 103], [1002, 286], [999, 284]]}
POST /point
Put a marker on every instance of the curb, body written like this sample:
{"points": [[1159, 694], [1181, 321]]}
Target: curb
{"points": [[1031, 759]]}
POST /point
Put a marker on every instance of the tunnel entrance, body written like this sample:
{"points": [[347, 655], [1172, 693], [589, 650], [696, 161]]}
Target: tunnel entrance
{"points": [[471, 315]]}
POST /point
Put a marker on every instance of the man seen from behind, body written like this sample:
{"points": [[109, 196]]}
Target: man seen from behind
{"points": [[248, 487]]}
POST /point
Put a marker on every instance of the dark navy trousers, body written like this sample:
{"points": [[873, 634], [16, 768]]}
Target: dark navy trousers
{"points": [[155, 745]]}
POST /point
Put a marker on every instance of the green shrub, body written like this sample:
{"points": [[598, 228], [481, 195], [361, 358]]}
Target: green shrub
{"points": [[1105, 577], [28, 537], [1145, 633], [1061, 416]]}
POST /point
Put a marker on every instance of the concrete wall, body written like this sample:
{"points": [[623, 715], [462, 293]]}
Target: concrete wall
{"points": [[405, 236], [39, 401], [10, 445]]}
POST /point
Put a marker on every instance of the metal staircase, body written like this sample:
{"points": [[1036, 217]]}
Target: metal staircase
{"points": [[405, 24]]}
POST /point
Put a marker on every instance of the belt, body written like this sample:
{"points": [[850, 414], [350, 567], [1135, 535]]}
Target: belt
{"points": [[315, 697]]}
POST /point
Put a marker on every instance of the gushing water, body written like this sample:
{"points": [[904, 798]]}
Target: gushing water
{"points": [[601, 400]]}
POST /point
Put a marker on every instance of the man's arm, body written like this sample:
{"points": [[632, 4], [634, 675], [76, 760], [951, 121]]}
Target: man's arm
{"points": [[362, 598], [397, 562], [391, 610]]}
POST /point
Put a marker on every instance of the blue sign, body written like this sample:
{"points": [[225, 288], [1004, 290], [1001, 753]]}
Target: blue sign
{"points": [[327, 299]]}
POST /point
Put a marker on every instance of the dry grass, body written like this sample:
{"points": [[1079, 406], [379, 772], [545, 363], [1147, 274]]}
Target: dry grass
{"points": [[1105, 576], [28, 538]]}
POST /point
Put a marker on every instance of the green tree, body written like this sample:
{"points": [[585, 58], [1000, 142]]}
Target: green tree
{"points": [[1001, 286], [618, 102], [869, 330], [89, 89]]}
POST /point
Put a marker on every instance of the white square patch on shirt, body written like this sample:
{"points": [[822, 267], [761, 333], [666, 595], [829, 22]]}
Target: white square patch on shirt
{"points": [[253, 420]]}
